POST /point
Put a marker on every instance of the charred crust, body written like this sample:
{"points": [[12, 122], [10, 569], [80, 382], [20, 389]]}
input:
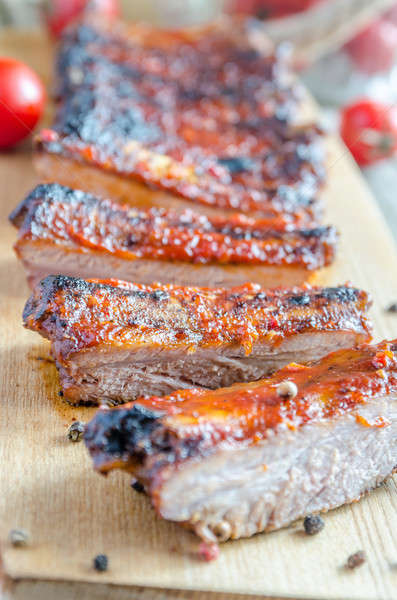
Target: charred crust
{"points": [[41, 312], [40, 305], [300, 300], [341, 294], [104, 96], [123, 433], [23, 214], [318, 232], [237, 164], [134, 434], [19, 213], [159, 295]]}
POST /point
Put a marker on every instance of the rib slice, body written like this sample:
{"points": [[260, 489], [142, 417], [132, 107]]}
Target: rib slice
{"points": [[67, 231], [115, 341], [195, 118], [240, 460]]}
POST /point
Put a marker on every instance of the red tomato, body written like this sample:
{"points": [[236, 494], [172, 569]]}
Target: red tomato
{"points": [[61, 13], [22, 98], [374, 49], [369, 130]]}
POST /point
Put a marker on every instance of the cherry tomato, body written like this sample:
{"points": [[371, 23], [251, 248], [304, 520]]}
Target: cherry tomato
{"points": [[61, 13], [374, 49], [369, 130], [22, 99]]}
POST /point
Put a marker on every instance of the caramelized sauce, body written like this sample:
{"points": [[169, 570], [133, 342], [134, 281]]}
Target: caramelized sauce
{"points": [[81, 314]]}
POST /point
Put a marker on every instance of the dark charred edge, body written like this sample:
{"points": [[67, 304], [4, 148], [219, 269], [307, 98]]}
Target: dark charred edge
{"points": [[39, 307], [17, 216], [340, 294], [122, 434], [47, 192], [132, 435], [324, 233], [345, 294], [82, 48]]}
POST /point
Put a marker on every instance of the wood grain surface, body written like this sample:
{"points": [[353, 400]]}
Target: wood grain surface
{"points": [[49, 488]]}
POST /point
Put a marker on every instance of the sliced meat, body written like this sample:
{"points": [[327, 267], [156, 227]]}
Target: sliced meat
{"points": [[184, 119], [68, 231], [114, 343], [245, 459]]}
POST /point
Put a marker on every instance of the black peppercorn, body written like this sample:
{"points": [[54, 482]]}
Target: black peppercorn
{"points": [[137, 486], [101, 562], [313, 524], [19, 537], [76, 431], [356, 560], [392, 308]]}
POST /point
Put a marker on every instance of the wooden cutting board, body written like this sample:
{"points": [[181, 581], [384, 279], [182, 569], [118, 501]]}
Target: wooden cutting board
{"points": [[49, 488]]}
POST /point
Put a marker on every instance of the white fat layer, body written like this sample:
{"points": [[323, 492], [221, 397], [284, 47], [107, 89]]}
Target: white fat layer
{"points": [[293, 473]]}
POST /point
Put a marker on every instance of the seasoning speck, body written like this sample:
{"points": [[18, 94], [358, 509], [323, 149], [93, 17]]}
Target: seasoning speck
{"points": [[208, 552], [76, 431], [101, 562], [313, 524], [287, 389], [18, 537], [392, 308], [137, 486], [356, 560], [223, 531], [60, 393]]}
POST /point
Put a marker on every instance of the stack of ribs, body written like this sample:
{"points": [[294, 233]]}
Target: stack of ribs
{"points": [[169, 250], [195, 168]]}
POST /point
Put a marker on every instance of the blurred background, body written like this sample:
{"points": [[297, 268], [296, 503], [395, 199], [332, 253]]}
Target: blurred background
{"points": [[345, 51]]}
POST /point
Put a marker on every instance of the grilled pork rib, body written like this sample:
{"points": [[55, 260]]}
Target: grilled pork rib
{"points": [[182, 119], [117, 342], [240, 460], [67, 231]]}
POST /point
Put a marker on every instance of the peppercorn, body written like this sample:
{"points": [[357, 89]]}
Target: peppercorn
{"points": [[208, 551], [287, 389], [313, 524], [137, 486], [222, 530], [101, 562], [392, 308], [18, 537], [356, 560], [76, 431]]}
